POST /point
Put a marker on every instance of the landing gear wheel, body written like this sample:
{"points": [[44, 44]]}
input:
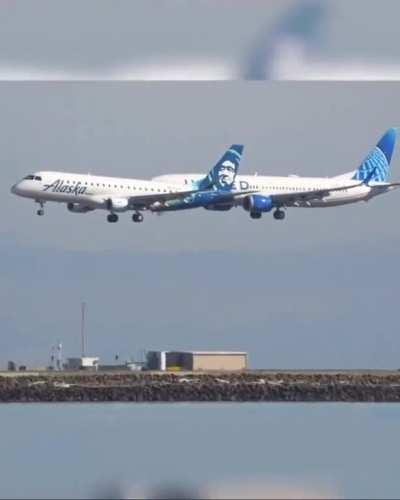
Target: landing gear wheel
{"points": [[279, 215], [137, 217], [112, 218], [255, 215], [40, 211]]}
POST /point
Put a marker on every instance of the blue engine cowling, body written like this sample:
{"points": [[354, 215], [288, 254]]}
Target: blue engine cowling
{"points": [[256, 203]]}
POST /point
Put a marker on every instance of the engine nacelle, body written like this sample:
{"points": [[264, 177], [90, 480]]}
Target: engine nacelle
{"points": [[117, 204], [256, 203], [75, 208]]}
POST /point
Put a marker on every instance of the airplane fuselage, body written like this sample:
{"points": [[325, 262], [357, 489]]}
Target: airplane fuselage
{"points": [[88, 189], [220, 190], [93, 191], [271, 185]]}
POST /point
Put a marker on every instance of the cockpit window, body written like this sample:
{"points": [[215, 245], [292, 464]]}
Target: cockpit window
{"points": [[32, 178]]}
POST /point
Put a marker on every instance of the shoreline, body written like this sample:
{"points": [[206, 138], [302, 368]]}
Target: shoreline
{"points": [[250, 386]]}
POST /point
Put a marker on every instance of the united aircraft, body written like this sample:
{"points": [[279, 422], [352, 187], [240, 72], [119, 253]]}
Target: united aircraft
{"points": [[221, 190], [263, 194]]}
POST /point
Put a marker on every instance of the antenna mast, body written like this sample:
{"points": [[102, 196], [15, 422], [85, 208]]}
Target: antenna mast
{"points": [[83, 339]]}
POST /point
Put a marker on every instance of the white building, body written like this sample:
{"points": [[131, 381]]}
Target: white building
{"points": [[82, 363]]}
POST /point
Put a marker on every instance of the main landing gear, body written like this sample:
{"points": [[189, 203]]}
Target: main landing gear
{"points": [[112, 218], [279, 214], [137, 217]]}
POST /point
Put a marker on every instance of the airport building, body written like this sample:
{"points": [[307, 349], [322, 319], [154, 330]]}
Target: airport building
{"points": [[196, 360], [82, 363]]}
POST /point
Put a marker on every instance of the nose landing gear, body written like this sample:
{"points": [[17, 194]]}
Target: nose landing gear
{"points": [[40, 212]]}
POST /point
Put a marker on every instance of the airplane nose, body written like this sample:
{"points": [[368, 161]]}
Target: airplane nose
{"points": [[14, 189]]}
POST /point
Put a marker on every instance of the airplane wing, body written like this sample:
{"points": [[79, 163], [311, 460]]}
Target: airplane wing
{"points": [[146, 200], [297, 197], [140, 201]]}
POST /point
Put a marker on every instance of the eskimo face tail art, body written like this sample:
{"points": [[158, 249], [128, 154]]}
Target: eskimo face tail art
{"points": [[223, 175], [220, 190]]}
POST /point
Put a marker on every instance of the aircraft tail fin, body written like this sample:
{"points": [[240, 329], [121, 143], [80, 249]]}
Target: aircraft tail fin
{"points": [[222, 176], [377, 164]]}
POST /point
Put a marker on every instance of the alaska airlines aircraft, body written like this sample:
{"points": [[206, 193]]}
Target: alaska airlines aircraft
{"points": [[85, 193], [221, 190]]}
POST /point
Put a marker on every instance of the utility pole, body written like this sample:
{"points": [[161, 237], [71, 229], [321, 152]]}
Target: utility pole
{"points": [[83, 340]]}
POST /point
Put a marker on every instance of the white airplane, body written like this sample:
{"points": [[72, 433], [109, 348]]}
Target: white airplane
{"points": [[263, 194], [221, 190], [85, 193]]}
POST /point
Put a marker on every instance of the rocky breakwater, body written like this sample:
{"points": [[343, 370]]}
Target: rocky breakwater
{"points": [[168, 387]]}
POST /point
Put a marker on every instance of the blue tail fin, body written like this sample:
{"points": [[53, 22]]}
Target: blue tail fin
{"points": [[376, 166], [222, 176]]}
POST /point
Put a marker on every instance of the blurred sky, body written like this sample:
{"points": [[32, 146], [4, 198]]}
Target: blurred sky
{"points": [[116, 39], [319, 290], [224, 450]]}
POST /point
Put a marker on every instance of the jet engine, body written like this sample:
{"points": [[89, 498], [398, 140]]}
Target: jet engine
{"points": [[256, 203], [78, 209]]}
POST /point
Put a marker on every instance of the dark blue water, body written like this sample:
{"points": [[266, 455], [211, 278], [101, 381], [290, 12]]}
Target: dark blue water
{"points": [[79, 450]]}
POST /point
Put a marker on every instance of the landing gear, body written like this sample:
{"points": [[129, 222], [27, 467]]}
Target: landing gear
{"points": [[279, 214], [112, 218], [40, 212], [137, 217], [255, 215]]}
